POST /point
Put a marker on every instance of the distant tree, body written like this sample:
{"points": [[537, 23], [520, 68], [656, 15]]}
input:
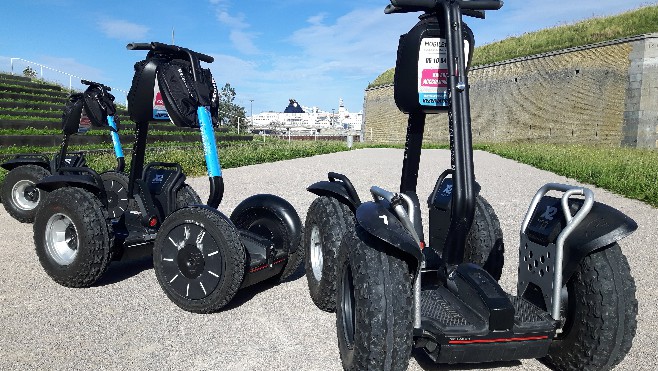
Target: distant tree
{"points": [[229, 112], [29, 72]]}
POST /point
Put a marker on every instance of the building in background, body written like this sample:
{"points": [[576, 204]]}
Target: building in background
{"points": [[296, 117]]}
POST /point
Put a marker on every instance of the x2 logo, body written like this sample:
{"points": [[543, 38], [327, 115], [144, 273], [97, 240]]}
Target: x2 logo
{"points": [[159, 178], [549, 213], [447, 191]]}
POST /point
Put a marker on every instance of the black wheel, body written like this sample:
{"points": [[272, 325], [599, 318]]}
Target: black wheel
{"points": [[484, 243], [198, 259], [187, 196], [72, 237], [116, 188], [19, 193], [600, 314], [327, 220], [374, 307], [264, 215]]}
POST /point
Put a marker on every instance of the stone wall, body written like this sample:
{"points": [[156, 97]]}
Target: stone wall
{"points": [[605, 93]]}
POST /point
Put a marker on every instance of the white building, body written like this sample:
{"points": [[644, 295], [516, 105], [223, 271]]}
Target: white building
{"points": [[300, 117]]}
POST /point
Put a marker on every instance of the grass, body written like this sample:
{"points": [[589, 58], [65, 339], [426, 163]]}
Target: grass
{"points": [[636, 22], [100, 131], [626, 171], [232, 154]]}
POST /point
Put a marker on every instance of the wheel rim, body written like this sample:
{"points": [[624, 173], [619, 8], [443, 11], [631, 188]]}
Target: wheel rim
{"points": [[117, 197], [25, 195], [347, 305], [192, 261], [316, 252], [61, 239]]}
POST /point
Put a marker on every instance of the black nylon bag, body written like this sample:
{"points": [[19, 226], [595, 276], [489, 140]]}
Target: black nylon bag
{"points": [[72, 114], [182, 95], [98, 104], [214, 98]]}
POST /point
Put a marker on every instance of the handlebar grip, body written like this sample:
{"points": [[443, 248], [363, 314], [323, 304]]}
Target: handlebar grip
{"points": [[481, 4], [415, 3], [91, 83], [431, 4], [139, 46], [157, 46]]}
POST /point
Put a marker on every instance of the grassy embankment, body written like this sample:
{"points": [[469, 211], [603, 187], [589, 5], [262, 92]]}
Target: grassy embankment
{"points": [[636, 22]]}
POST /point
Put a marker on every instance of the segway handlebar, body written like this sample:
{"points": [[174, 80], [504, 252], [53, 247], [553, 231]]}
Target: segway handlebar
{"points": [[91, 83], [407, 6], [160, 47]]}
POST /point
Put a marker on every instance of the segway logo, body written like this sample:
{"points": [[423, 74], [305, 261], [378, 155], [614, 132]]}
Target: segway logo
{"points": [[385, 218], [68, 161], [447, 191], [549, 213], [159, 178]]}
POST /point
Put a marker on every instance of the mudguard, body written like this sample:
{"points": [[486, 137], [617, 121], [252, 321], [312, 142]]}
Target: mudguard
{"points": [[377, 220], [26, 159], [75, 177], [603, 226], [276, 205], [342, 190]]}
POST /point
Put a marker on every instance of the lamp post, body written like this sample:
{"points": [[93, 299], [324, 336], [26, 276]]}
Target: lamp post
{"points": [[251, 103]]}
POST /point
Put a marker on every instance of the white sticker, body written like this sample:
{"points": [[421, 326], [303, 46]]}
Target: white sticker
{"points": [[85, 122], [433, 72], [159, 110]]}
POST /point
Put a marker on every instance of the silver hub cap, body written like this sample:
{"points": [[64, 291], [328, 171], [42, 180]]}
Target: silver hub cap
{"points": [[61, 239], [316, 252], [25, 195]]}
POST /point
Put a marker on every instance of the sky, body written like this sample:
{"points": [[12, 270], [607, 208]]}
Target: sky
{"points": [[313, 51]]}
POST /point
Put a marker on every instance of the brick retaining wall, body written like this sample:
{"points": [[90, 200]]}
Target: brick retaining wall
{"points": [[605, 93]]}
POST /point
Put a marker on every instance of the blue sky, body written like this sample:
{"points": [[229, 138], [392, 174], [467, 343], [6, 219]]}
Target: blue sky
{"points": [[314, 51]]}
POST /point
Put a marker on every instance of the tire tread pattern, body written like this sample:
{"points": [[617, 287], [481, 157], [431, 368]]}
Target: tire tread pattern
{"points": [[25, 172], [334, 219], [383, 306], [94, 241], [604, 322]]}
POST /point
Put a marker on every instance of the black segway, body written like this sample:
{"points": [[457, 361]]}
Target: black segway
{"points": [[20, 195], [87, 221], [201, 257], [575, 306]]}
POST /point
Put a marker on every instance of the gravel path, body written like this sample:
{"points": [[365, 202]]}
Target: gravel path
{"points": [[126, 321]]}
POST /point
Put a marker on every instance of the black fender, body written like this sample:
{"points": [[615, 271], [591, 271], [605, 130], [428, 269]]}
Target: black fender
{"points": [[279, 207], [22, 159], [376, 219], [84, 178], [342, 190], [603, 226]]}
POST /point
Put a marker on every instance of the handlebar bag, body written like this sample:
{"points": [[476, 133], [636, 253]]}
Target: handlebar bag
{"points": [[182, 95], [98, 104]]}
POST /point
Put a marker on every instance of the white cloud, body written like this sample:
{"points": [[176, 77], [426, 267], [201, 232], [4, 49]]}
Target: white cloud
{"points": [[231, 21], [123, 30], [242, 40], [316, 19]]}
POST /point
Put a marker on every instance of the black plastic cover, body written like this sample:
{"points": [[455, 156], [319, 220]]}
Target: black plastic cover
{"points": [[377, 220], [603, 226], [72, 114]]}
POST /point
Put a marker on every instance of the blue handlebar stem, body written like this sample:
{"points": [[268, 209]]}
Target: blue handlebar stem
{"points": [[118, 151], [209, 142]]}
